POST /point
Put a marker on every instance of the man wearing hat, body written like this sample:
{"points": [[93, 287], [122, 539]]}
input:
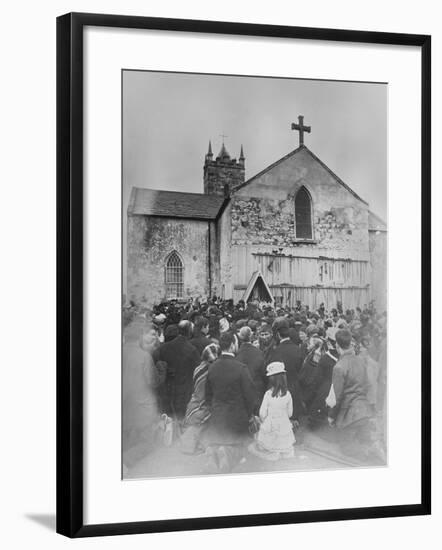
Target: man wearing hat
{"points": [[289, 354]]}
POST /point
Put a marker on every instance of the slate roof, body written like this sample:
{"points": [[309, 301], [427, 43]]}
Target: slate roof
{"points": [[375, 223], [172, 204]]}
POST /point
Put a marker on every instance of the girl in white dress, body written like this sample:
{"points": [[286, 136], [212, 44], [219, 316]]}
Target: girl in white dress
{"points": [[275, 437]]}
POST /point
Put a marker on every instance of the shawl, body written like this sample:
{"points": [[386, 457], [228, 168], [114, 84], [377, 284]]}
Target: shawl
{"points": [[197, 411]]}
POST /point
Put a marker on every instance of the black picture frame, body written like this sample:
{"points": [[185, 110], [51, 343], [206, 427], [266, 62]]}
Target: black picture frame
{"points": [[70, 272]]}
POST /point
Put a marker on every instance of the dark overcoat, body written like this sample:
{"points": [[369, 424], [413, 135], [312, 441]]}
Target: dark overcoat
{"points": [[253, 358], [230, 396], [181, 358], [323, 383], [291, 355]]}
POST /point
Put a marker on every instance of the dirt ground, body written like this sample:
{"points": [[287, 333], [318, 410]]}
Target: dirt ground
{"points": [[318, 451]]}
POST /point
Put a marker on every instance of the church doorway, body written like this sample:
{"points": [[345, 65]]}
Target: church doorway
{"points": [[258, 289]]}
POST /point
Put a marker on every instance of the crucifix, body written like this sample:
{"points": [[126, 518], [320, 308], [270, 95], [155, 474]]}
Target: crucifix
{"points": [[301, 128], [223, 136]]}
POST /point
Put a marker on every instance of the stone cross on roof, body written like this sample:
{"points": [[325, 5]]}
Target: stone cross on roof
{"points": [[301, 128]]}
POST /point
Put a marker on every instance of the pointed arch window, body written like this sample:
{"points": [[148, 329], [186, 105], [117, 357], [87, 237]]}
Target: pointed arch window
{"points": [[303, 214], [174, 276]]}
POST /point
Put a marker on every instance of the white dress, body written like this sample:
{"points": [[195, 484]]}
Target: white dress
{"points": [[276, 433]]}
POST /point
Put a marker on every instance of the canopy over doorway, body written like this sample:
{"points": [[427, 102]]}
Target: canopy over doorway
{"points": [[258, 289]]}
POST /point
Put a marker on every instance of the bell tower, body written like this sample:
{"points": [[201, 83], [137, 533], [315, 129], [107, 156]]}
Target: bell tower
{"points": [[224, 174]]}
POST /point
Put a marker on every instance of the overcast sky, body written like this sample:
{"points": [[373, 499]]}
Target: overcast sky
{"points": [[169, 118]]}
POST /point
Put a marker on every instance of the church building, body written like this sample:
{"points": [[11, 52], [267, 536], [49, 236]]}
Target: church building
{"points": [[294, 232]]}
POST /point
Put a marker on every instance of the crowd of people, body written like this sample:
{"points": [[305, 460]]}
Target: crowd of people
{"points": [[229, 379]]}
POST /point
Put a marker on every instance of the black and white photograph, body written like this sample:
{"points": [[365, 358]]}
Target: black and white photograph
{"points": [[254, 269], [220, 258]]}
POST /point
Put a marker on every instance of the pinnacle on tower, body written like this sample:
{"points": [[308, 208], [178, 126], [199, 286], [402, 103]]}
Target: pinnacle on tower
{"points": [[209, 154], [241, 159]]}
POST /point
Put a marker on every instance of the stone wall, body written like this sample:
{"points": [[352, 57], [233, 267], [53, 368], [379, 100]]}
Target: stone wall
{"points": [[150, 241], [263, 211], [214, 283], [222, 174], [224, 286], [271, 222], [379, 272]]}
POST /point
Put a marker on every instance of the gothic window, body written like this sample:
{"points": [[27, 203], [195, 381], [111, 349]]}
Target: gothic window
{"points": [[174, 276], [303, 214]]}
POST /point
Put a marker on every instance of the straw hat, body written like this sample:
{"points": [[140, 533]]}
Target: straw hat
{"points": [[275, 368]]}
